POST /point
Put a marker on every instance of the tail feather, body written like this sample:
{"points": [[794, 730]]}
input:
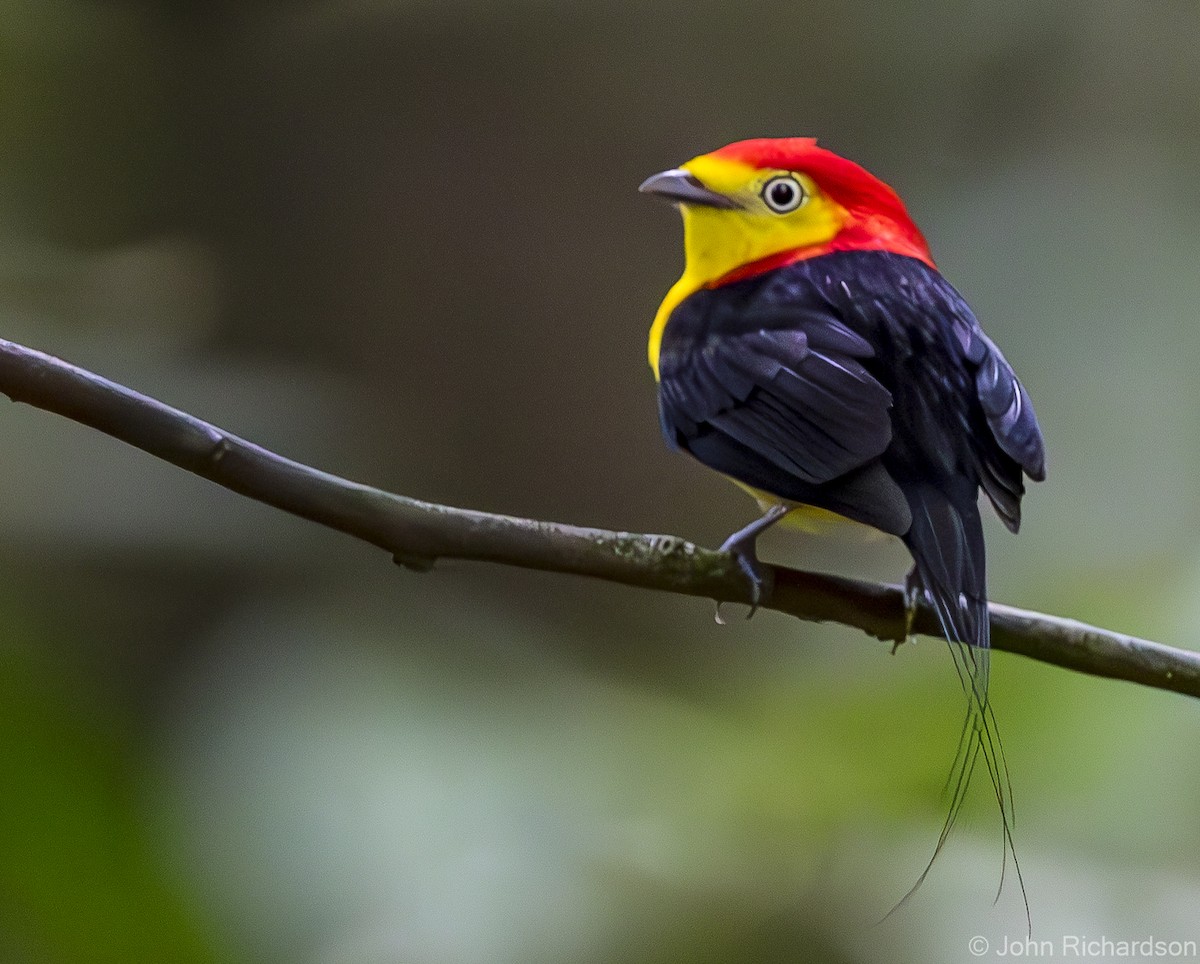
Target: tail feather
{"points": [[946, 542]]}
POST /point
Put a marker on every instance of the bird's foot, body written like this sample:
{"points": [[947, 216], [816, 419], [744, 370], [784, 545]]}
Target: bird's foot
{"points": [[758, 575], [741, 544]]}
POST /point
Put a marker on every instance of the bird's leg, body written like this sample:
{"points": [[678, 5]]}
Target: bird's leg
{"points": [[742, 545], [914, 589]]}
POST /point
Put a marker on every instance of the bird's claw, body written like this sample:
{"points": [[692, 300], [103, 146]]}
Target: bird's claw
{"points": [[741, 545], [755, 572], [756, 575]]}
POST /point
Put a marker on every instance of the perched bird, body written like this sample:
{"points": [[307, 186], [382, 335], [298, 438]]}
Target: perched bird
{"points": [[813, 353]]}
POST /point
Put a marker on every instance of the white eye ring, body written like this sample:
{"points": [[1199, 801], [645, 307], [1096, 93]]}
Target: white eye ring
{"points": [[783, 194]]}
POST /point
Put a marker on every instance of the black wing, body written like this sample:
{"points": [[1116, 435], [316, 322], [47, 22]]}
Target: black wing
{"points": [[772, 391], [1014, 428]]}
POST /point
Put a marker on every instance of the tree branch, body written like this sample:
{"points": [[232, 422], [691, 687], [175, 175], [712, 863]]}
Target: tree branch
{"points": [[418, 533]]}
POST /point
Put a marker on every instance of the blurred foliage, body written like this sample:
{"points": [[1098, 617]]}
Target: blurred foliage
{"points": [[401, 240], [79, 880]]}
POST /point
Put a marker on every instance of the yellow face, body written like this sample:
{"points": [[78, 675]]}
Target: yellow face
{"points": [[735, 214], [776, 211]]}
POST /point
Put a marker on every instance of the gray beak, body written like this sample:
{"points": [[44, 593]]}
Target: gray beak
{"points": [[685, 188]]}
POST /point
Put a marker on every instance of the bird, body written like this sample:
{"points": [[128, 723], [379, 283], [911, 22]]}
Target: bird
{"points": [[813, 353]]}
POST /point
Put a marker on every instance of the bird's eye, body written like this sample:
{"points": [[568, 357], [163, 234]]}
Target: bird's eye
{"points": [[783, 194]]}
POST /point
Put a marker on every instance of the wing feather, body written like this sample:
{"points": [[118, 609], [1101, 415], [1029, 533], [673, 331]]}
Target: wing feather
{"points": [[813, 414], [1009, 412]]}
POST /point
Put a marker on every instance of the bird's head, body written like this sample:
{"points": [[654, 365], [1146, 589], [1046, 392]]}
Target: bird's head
{"points": [[760, 204]]}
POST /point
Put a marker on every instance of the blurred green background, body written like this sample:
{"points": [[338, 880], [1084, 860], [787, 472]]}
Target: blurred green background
{"points": [[402, 241]]}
